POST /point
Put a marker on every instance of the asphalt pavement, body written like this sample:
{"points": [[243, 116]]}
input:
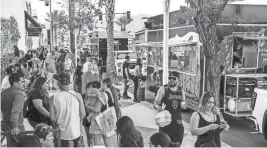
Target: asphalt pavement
{"points": [[241, 133]]}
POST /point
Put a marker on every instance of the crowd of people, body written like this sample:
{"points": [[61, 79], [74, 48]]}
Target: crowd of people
{"points": [[80, 94]]}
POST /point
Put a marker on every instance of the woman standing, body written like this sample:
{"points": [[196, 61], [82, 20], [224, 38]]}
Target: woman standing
{"points": [[111, 91], [38, 103], [127, 135], [77, 79], [137, 76], [206, 125]]}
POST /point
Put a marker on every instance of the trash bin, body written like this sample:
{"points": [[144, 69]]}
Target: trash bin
{"points": [[141, 91]]}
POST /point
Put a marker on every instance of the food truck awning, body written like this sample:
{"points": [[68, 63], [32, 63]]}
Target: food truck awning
{"points": [[150, 44]]}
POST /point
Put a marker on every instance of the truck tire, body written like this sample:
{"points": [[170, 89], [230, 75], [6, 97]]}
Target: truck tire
{"points": [[264, 125]]}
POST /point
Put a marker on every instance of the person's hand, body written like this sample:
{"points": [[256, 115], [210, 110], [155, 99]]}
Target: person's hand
{"points": [[213, 126], [159, 109], [183, 105], [15, 131]]}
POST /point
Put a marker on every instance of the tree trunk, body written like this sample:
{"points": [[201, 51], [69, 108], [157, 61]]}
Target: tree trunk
{"points": [[111, 69], [55, 35], [207, 30], [71, 25]]}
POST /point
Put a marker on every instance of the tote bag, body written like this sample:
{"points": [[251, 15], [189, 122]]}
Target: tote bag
{"points": [[107, 120]]}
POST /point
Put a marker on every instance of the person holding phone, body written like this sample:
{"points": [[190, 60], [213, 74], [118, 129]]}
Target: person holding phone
{"points": [[206, 124]]}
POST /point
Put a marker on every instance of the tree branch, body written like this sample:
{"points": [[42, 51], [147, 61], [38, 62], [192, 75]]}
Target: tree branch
{"points": [[220, 9]]}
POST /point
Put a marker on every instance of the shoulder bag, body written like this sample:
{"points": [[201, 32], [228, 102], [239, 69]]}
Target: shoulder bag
{"points": [[107, 120]]}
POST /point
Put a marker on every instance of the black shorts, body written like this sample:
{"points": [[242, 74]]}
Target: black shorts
{"points": [[175, 131]]}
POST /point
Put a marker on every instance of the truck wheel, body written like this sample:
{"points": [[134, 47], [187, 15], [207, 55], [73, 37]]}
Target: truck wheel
{"points": [[264, 125]]}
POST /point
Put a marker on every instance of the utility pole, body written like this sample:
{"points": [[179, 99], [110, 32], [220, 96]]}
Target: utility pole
{"points": [[165, 41], [51, 27]]}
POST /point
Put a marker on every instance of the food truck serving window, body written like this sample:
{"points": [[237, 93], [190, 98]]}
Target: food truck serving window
{"points": [[183, 58]]}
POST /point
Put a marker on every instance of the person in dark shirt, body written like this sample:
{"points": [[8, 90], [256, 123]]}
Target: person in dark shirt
{"points": [[38, 103], [12, 101], [126, 76], [173, 96], [29, 57]]}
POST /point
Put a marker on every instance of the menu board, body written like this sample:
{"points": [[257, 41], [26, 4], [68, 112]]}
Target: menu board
{"points": [[262, 53], [183, 58]]}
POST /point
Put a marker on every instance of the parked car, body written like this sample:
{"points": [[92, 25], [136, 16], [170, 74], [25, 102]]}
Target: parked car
{"points": [[120, 58], [259, 113]]}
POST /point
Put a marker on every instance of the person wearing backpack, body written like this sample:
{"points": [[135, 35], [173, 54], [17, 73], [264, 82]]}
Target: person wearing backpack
{"points": [[173, 96]]}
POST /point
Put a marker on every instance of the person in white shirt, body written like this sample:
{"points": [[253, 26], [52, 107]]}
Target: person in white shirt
{"points": [[9, 70], [67, 111], [87, 65]]}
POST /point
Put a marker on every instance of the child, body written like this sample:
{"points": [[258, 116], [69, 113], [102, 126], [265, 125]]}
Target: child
{"points": [[91, 96]]}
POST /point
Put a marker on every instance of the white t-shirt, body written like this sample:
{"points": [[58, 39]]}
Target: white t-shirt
{"points": [[87, 66], [5, 83], [68, 114], [68, 64]]}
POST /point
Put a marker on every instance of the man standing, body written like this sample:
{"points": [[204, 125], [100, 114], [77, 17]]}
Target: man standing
{"points": [[173, 96], [12, 101], [66, 108], [88, 66], [126, 76], [50, 69]]}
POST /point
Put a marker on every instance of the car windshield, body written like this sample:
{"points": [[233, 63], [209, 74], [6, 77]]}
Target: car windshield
{"points": [[132, 55]]}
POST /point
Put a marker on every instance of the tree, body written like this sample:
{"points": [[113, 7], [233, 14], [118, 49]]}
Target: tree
{"points": [[110, 10], [59, 21], [208, 14], [81, 15], [123, 21], [10, 35]]}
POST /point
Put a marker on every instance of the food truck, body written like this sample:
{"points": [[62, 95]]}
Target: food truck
{"points": [[243, 65]]}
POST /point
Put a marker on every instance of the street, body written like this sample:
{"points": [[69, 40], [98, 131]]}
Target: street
{"points": [[239, 134]]}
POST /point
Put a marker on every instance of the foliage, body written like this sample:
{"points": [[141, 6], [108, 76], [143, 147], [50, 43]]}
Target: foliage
{"points": [[123, 21], [10, 34]]}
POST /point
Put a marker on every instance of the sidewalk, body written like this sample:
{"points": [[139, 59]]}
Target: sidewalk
{"points": [[143, 114]]}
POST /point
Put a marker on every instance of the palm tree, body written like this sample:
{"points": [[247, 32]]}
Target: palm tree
{"points": [[123, 21], [110, 9]]}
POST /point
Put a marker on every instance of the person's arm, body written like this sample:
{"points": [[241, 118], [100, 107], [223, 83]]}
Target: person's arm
{"points": [[38, 104], [159, 96], [52, 112], [81, 106], [195, 130], [96, 108], [17, 107]]}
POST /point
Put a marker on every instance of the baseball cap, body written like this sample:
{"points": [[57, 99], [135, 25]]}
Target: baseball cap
{"points": [[62, 77], [10, 69], [174, 74]]}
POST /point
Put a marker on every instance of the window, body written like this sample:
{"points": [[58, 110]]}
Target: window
{"points": [[183, 58]]}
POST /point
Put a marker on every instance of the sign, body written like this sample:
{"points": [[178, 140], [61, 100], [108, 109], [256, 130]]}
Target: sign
{"points": [[262, 53]]}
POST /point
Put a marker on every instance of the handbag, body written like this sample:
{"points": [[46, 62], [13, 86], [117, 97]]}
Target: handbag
{"points": [[107, 120]]}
